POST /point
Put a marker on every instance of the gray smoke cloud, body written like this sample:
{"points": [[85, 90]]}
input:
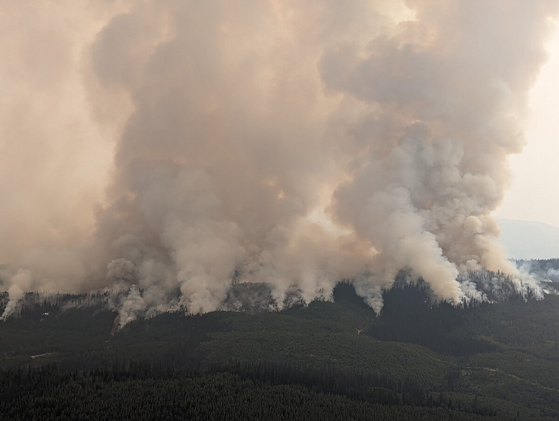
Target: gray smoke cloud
{"points": [[173, 146]]}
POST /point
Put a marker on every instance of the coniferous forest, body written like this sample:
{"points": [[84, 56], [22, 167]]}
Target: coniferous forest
{"points": [[417, 360]]}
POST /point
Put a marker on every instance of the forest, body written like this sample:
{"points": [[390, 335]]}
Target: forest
{"points": [[418, 359]]}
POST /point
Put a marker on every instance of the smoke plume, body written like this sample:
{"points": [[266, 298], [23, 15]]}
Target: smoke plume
{"points": [[171, 147]]}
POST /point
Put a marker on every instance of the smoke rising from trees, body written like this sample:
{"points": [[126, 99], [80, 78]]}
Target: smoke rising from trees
{"points": [[176, 146]]}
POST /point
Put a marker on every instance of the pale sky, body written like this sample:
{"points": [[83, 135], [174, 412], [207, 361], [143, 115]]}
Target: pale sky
{"points": [[534, 194]]}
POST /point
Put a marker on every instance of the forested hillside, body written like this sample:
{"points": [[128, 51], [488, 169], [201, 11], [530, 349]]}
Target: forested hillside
{"points": [[328, 360]]}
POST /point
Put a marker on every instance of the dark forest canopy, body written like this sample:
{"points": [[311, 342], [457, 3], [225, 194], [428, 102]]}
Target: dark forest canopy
{"points": [[418, 359]]}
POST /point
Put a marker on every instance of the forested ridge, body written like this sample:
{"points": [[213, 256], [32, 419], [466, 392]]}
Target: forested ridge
{"points": [[418, 359]]}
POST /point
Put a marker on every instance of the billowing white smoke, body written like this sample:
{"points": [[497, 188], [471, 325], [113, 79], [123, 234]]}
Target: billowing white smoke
{"points": [[286, 142]]}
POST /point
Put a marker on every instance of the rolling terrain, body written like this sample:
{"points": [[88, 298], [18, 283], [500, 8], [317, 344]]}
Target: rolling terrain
{"points": [[416, 360]]}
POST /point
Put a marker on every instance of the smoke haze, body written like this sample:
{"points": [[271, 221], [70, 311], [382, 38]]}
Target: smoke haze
{"points": [[171, 147]]}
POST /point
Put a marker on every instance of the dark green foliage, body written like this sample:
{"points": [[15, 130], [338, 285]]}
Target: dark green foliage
{"points": [[328, 360], [255, 392], [409, 315]]}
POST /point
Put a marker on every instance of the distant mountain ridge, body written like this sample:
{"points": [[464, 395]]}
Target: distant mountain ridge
{"points": [[529, 239]]}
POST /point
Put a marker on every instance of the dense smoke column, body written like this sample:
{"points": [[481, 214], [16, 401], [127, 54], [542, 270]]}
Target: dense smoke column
{"points": [[292, 143], [438, 104], [222, 160]]}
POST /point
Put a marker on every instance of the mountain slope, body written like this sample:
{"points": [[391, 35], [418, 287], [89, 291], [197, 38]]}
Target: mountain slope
{"points": [[492, 359], [529, 239]]}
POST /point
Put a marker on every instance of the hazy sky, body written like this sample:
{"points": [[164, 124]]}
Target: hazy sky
{"points": [[534, 193]]}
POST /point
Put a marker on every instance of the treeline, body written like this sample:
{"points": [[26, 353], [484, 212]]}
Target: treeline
{"points": [[539, 264], [260, 390], [409, 315]]}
